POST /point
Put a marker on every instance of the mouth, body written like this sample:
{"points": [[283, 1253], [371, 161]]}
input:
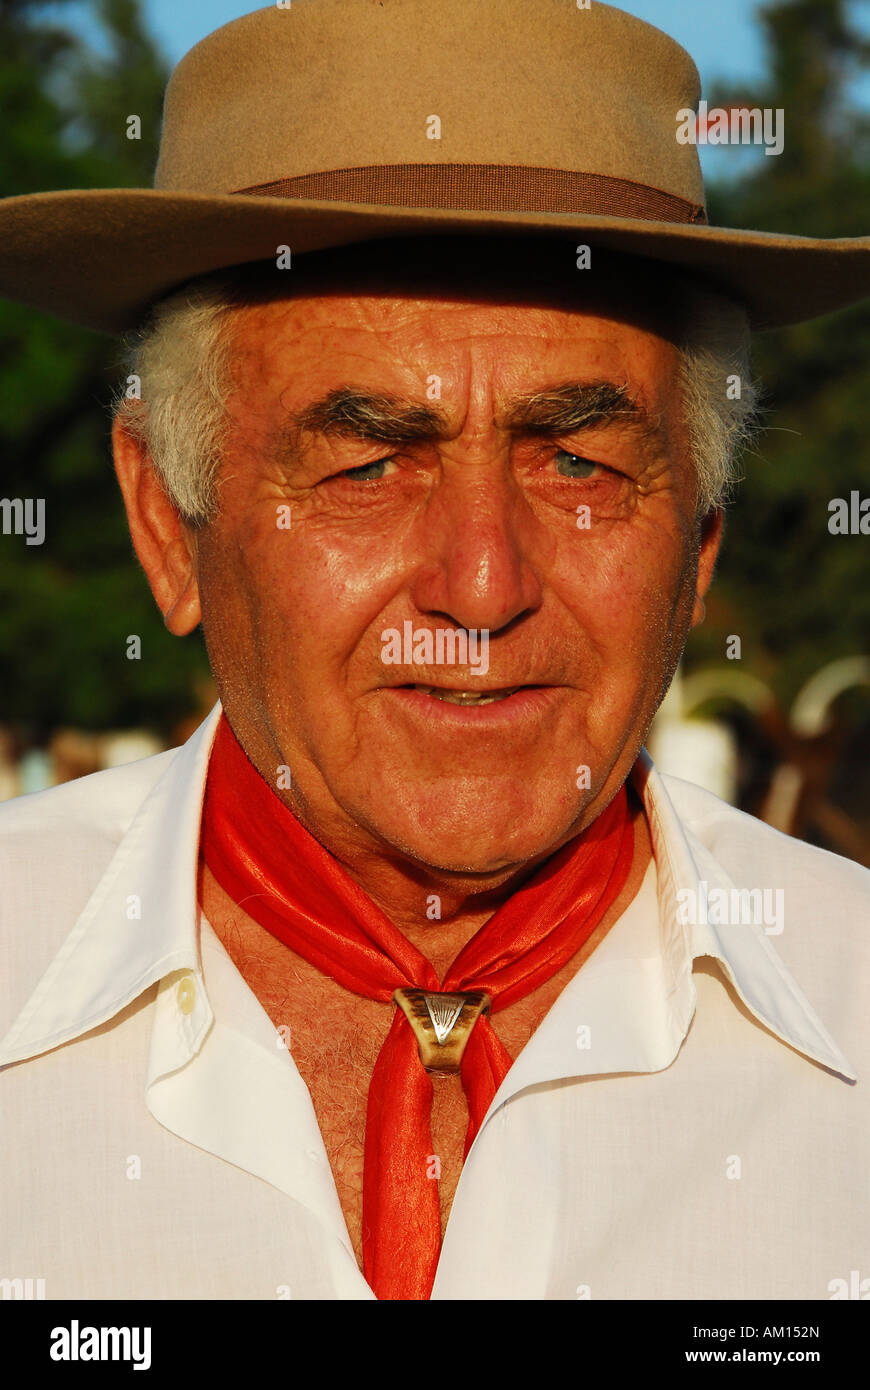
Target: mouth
{"points": [[451, 696]]}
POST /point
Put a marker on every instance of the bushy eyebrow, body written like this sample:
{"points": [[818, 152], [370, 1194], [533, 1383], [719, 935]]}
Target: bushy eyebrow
{"points": [[360, 414], [575, 406], [356, 413]]}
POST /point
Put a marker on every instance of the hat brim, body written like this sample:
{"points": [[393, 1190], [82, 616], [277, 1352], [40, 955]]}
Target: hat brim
{"points": [[100, 257]]}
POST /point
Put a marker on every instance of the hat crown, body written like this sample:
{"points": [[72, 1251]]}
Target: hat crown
{"points": [[338, 84]]}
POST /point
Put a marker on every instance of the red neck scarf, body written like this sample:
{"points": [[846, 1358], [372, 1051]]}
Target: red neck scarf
{"points": [[263, 857]]}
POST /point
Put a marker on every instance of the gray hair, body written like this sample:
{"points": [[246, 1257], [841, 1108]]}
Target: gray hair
{"points": [[721, 400], [182, 363], [179, 369]]}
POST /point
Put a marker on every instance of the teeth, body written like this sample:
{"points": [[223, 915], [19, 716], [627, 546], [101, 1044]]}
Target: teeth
{"points": [[466, 697]]}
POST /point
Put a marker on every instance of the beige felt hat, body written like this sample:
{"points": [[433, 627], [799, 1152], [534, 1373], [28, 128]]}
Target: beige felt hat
{"points": [[320, 123]]}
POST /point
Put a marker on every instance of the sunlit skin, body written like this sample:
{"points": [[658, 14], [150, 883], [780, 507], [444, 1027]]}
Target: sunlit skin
{"points": [[476, 531]]}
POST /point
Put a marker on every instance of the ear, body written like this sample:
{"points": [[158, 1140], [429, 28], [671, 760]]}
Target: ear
{"points": [[164, 543], [711, 538]]}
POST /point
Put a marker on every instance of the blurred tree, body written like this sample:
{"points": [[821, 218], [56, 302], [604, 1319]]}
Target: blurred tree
{"points": [[67, 606], [796, 594]]}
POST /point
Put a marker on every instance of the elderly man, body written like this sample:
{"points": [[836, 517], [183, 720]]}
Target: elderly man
{"points": [[385, 985]]}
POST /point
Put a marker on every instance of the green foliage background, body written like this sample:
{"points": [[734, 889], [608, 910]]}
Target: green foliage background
{"points": [[66, 607], [796, 596]]}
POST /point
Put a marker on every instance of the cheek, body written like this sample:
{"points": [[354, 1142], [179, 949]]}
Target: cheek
{"points": [[302, 599], [333, 590], [657, 626], [629, 589]]}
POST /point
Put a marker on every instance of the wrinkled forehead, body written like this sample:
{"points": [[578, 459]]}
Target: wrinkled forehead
{"points": [[533, 272]]}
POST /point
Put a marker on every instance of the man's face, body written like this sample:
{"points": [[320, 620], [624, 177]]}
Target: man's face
{"points": [[575, 550]]}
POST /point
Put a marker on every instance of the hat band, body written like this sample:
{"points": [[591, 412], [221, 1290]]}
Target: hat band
{"points": [[486, 188]]}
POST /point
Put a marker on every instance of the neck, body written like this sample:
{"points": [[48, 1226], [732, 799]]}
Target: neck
{"points": [[440, 941], [439, 910], [436, 910]]}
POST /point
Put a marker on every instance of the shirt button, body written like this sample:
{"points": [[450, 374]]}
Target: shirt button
{"points": [[313, 1155], [186, 994]]}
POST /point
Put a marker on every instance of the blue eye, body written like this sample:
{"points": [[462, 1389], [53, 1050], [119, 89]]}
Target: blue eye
{"points": [[367, 472], [575, 466]]}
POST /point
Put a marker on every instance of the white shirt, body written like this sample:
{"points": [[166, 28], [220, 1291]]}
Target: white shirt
{"points": [[681, 1125]]}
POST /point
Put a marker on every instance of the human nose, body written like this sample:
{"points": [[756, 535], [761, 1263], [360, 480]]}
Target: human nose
{"points": [[478, 570]]}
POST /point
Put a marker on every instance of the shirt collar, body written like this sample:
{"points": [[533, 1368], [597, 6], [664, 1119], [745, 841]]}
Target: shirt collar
{"points": [[687, 869], [110, 957], [112, 954]]}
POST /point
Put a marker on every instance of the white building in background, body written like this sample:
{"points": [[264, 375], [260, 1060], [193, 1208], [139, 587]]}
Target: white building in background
{"points": [[703, 751], [700, 749]]}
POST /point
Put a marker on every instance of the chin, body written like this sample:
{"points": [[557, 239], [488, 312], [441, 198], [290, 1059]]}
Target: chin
{"points": [[475, 838]]}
